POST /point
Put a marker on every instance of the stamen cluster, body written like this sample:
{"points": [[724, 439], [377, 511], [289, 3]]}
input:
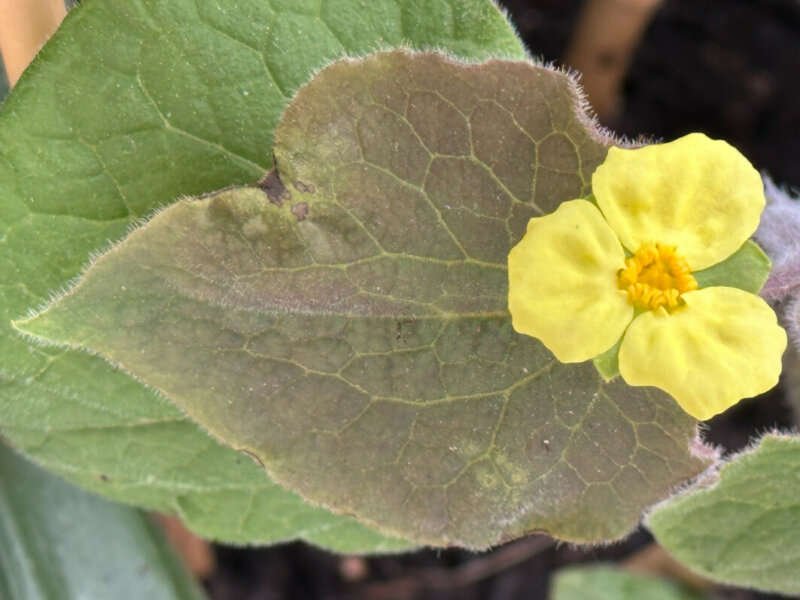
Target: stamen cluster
{"points": [[656, 276]]}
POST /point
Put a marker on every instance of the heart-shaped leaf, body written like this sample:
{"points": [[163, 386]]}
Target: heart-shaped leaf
{"points": [[130, 105], [346, 323]]}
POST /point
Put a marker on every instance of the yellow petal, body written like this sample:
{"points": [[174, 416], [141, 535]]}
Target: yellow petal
{"points": [[563, 283], [695, 193], [724, 345]]}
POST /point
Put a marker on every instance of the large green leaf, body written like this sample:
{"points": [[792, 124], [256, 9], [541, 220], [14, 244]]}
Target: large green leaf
{"points": [[60, 543], [608, 583], [346, 322], [743, 530], [131, 104]]}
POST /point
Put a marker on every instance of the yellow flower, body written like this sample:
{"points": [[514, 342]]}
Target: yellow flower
{"points": [[676, 208]]}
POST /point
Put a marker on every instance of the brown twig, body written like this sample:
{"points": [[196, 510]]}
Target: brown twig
{"points": [[654, 560], [196, 552], [606, 36], [475, 570], [25, 25]]}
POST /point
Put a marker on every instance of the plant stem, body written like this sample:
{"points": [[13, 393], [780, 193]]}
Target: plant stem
{"points": [[25, 25], [196, 552], [606, 36]]}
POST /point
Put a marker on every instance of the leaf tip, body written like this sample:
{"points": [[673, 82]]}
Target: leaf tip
{"points": [[34, 327]]}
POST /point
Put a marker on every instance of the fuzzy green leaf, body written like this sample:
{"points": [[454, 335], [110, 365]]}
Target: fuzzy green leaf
{"points": [[132, 104], [57, 541], [347, 323], [743, 529], [608, 583]]}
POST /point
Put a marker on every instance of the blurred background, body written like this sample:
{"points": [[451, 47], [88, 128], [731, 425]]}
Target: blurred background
{"points": [[730, 69]]}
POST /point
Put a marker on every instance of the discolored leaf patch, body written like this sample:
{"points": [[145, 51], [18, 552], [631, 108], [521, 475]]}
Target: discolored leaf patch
{"points": [[364, 352]]}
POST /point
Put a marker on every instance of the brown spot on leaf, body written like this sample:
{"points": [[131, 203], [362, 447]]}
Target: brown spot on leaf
{"points": [[300, 210], [274, 188], [304, 188], [399, 329], [252, 457]]}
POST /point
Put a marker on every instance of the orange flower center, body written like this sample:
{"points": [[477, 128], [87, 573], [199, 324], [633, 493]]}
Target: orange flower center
{"points": [[656, 276]]}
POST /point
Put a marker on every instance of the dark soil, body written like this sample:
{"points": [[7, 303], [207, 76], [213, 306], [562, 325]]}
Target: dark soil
{"points": [[728, 68]]}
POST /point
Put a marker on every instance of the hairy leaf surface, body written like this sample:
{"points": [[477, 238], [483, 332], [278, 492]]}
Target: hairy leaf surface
{"points": [[346, 322], [132, 104], [742, 530]]}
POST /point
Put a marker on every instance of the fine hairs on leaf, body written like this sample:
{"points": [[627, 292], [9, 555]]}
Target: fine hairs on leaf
{"points": [[158, 101], [361, 348], [741, 527]]}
